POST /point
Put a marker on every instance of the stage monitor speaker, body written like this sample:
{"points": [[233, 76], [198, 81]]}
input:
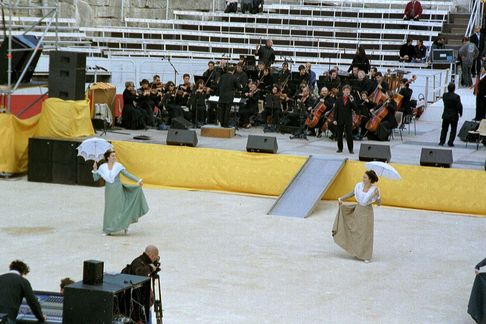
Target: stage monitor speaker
{"points": [[464, 131], [40, 160], [67, 75], [262, 144], [436, 157], [23, 47], [372, 152], [64, 161], [92, 272], [180, 123], [182, 137]]}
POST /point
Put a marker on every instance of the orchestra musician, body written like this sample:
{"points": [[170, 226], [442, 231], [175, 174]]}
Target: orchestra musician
{"points": [[211, 86], [169, 101], [227, 86], [284, 75], [306, 103], [266, 54], [406, 92], [326, 95], [379, 83], [184, 91], [251, 108], [273, 109], [354, 73], [303, 75], [360, 60], [132, 118], [388, 123], [156, 84], [364, 109], [343, 118], [242, 78], [333, 80], [312, 76], [265, 81], [198, 103], [146, 102]]}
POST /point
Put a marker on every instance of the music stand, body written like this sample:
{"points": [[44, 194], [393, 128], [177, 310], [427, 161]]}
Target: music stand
{"points": [[200, 77]]}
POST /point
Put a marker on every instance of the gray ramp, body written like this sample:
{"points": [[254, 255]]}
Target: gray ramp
{"points": [[307, 188]]}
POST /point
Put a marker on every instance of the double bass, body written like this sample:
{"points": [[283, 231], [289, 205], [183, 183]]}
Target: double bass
{"points": [[315, 114]]}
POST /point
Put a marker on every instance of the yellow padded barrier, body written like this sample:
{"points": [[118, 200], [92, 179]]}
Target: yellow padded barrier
{"points": [[448, 190]]}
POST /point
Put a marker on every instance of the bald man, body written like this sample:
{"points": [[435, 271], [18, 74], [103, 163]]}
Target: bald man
{"points": [[145, 265]]}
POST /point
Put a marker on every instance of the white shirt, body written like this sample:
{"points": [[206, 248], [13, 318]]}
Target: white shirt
{"points": [[107, 174], [365, 198]]}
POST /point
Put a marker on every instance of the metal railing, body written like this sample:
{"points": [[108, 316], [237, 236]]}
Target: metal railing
{"points": [[476, 8]]}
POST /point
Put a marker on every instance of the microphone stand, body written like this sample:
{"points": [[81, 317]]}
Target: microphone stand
{"points": [[175, 70]]}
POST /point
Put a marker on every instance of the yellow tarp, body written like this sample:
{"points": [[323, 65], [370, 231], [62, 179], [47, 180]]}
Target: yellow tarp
{"points": [[448, 190], [59, 118]]}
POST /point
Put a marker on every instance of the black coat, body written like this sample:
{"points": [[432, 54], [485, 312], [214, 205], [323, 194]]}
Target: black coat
{"points": [[266, 55], [227, 86], [140, 267], [361, 62], [407, 95], [474, 39], [452, 106], [343, 114], [13, 288]]}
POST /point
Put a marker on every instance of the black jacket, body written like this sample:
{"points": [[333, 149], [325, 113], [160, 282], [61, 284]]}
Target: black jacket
{"points": [[266, 55], [361, 62], [474, 39], [13, 288], [227, 86], [140, 267], [452, 106], [343, 114]]}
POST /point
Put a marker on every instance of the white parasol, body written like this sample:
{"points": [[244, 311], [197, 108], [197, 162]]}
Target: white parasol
{"points": [[383, 170], [93, 149]]}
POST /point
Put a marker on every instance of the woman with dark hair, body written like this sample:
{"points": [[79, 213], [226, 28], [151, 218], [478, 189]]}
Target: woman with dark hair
{"points": [[132, 118], [353, 226], [360, 60], [124, 204]]}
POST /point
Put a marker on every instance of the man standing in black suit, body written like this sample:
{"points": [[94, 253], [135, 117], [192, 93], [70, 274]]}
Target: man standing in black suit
{"points": [[227, 86], [477, 40], [13, 288], [480, 92], [343, 118], [451, 114]]}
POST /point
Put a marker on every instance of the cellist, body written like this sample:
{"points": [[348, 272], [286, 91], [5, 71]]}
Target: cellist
{"points": [[388, 122], [306, 103]]}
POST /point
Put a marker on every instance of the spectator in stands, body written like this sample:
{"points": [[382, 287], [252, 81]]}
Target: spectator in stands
{"points": [[252, 6], [439, 43], [413, 10], [360, 60], [477, 40], [231, 6], [65, 282], [420, 52], [13, 288], [451, 114], [266, 54], [312, 76], [468, 54], [407, 51]]}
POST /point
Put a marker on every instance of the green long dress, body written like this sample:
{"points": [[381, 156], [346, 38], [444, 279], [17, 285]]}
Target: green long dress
{"points": [[124, 204]]}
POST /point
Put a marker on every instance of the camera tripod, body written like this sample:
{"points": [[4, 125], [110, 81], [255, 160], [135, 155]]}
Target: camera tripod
{"points": [[157, 297]]}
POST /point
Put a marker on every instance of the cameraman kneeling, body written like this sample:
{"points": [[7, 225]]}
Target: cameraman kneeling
{"points": [[145, 265]]}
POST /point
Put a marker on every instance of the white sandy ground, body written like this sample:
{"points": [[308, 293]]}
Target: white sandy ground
{"points": [[225, 261]]}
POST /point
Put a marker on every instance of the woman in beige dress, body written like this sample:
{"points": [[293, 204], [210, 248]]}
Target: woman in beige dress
{"points": [[353, 226]]}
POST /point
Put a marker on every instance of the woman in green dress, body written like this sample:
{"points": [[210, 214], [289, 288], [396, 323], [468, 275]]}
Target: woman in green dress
{"points": [[124, 204], [353, 226]]}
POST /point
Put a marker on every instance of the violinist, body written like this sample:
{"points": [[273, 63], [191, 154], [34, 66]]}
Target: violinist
{"points": [[284, 75], [227, 86], [379, 83], [273, 109], [146, 102], [169, 101], [388, 122], [132, 118], [266, 81], [211, 86], [156, 85], [343, 119], [198, 104], [251, 108], [184, 91]]}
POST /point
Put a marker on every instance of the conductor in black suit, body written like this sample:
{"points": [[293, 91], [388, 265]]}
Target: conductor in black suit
{"points": [[450, 116], [13, 288], [228, 83], [343, 119]]}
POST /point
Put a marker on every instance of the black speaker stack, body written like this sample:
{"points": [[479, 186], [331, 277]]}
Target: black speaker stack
{"points": [[67, 75], [56, 161], [22, 49], [372, 152], [262, 144], [436, 157]]}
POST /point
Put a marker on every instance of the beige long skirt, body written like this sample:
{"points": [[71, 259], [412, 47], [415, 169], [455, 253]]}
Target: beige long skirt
{"points": [[353, 230]]}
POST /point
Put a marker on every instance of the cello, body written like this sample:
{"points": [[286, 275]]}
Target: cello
{"points": [[375, 120], [315, 114]]}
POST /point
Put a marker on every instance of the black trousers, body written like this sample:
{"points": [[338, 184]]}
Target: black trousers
{"points": [[480, 109], [224, 110], [348, 129], [445, 128], [476, 67]]}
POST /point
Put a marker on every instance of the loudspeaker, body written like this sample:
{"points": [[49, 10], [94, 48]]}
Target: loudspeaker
{"points": [[262, 144], [64, 161], [181, 137], [22, 46], [40, 160], [180, 123], [67, 75], [372, 152], [436, 157], [93, 272], [464, 132]]}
